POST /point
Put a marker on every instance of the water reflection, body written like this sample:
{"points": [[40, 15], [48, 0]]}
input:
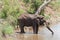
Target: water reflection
{"points": [[30, 37]]}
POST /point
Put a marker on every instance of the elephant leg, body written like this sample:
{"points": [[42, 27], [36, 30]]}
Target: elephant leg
{"points": [[35, 28], [22, 29], [50, 30]]}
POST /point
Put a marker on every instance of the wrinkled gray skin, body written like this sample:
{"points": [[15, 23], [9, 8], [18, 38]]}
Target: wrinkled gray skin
{"points": [[32, 20]]}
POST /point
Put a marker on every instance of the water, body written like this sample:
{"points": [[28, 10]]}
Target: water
{"points": [[44, 34]]}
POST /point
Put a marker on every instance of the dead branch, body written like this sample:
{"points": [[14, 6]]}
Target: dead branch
{"points": [[42, 6]]}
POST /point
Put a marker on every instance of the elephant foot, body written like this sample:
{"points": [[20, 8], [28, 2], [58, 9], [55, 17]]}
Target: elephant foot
{"points": [[22, 32], [35, 33]]}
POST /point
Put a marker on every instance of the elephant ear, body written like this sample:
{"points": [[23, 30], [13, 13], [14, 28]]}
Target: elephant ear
{"points": [[40, 16]]}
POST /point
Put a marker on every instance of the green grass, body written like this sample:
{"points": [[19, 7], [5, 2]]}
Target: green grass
{"points": [[47, 16], [8, 30]]}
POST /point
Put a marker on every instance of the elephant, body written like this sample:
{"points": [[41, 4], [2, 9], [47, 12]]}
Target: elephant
{"points": [[31, 20]]}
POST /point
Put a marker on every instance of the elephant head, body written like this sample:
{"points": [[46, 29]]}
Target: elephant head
{"points": [[42, 21]]}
